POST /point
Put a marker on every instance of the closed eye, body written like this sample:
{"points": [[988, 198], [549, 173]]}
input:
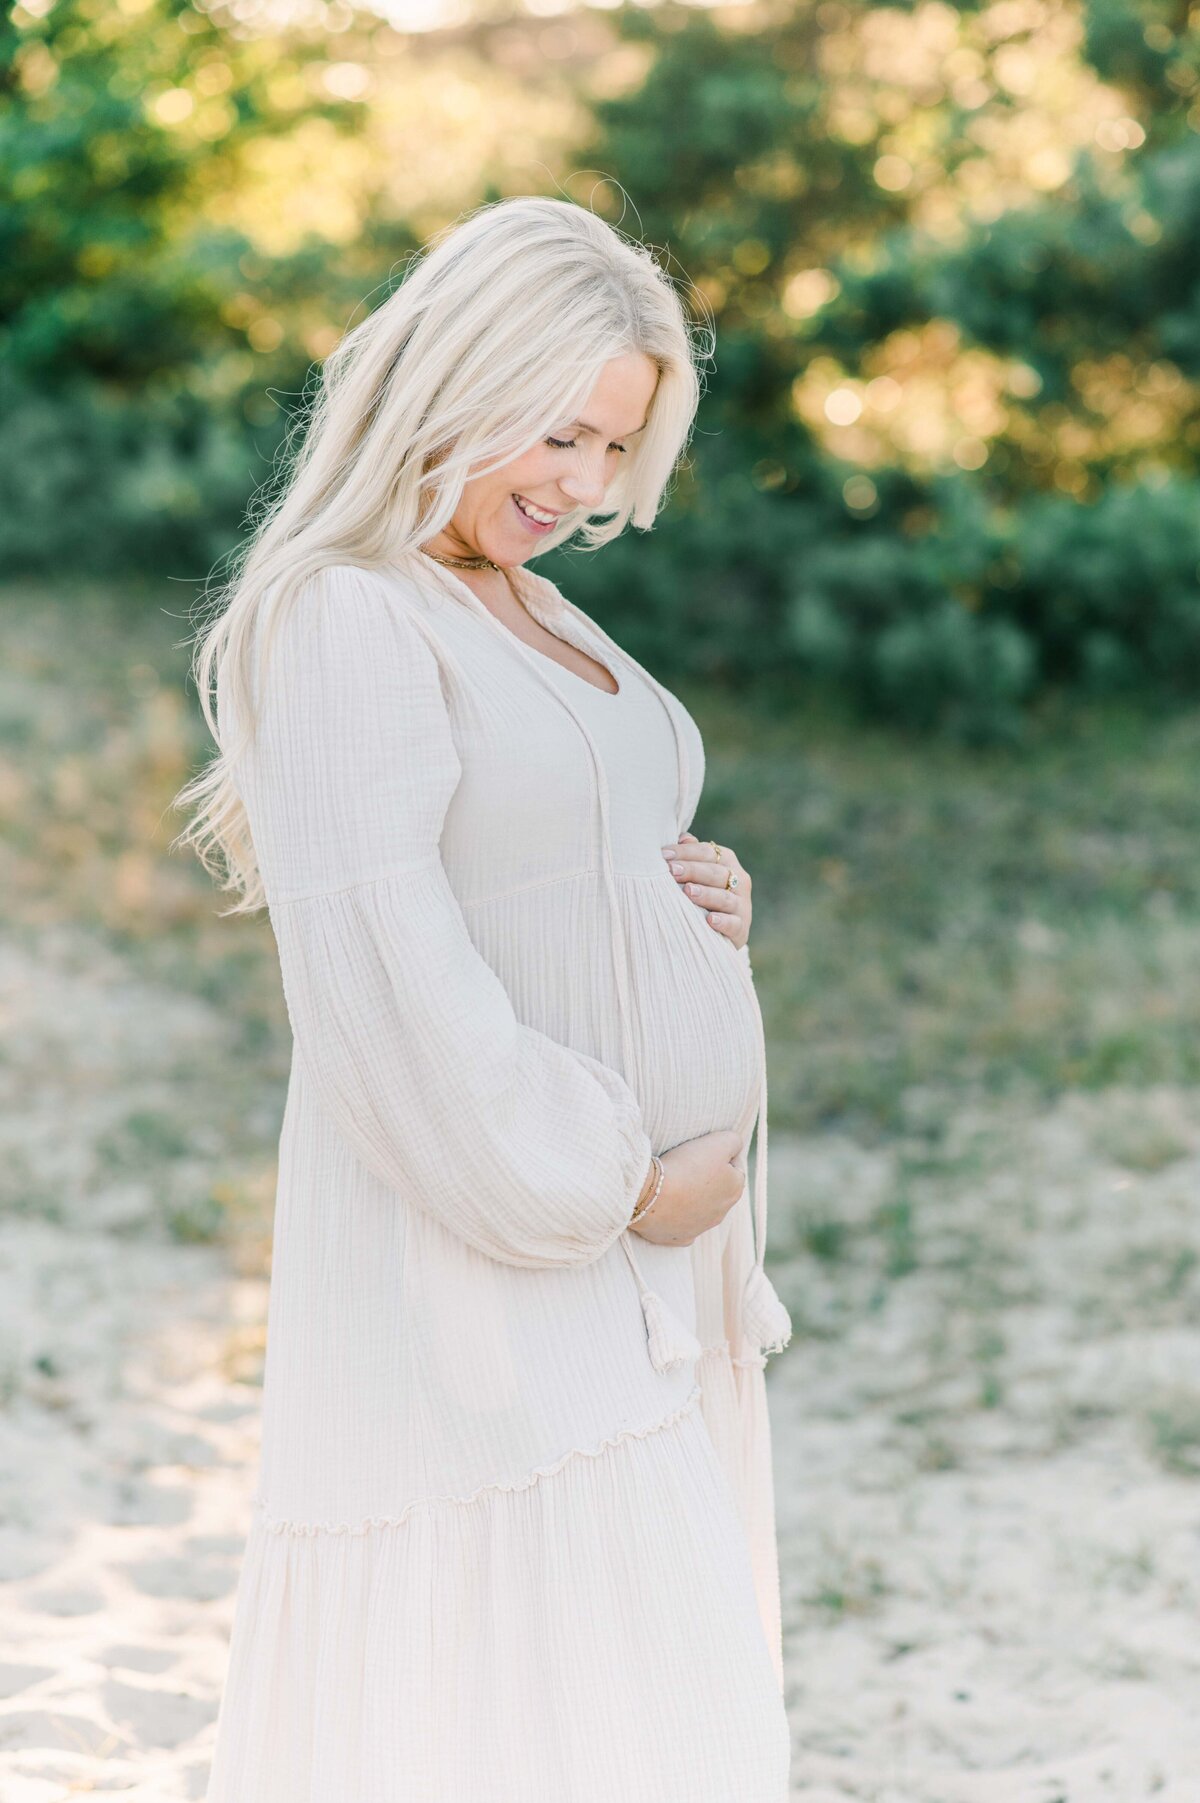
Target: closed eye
{"points": [[568, 444]]}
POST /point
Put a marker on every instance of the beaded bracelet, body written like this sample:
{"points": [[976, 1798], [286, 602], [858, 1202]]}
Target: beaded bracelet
{"points": [[653, 1198]]}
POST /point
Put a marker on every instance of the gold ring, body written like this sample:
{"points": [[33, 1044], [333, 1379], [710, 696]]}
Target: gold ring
{"points": [[716, 850]]}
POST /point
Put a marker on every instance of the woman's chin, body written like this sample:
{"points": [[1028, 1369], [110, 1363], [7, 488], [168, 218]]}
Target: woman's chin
{"points": [[509, 555]]}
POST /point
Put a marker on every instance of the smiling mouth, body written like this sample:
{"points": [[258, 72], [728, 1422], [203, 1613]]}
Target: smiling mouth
{"points": [[523, 503]]}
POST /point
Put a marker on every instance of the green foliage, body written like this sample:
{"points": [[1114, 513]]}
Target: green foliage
{"points": [[153, 357], [136, 409], [940, 599]]}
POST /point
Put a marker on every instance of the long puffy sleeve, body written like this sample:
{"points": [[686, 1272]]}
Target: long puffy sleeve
{"points": [[528, 1150]]}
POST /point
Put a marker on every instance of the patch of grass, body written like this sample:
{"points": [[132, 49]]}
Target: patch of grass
{"points": [[894, 1224], [1154, 1275], [990, 1348], [848, 1584], [26, 1192], [825, 1239], [936, 1453], [1173, 1426], [1141, 1139], [145, 1135], [1013, 920], [198, 1220]]}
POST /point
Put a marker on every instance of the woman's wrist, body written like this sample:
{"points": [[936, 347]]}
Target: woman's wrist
{"points": [[648, 1194]]}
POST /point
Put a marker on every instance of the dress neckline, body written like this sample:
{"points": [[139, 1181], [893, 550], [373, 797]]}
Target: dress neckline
{"points": [[538, 613], [608, 694]]}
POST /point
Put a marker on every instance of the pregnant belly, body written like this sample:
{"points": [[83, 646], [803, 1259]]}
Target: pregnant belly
{"points": [[696, 1021]]}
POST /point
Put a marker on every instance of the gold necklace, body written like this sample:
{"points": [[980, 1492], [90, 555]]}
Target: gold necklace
{"points": [[463, 563]]}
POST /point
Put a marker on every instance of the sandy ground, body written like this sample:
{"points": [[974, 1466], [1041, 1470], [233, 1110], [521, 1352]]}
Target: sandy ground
{"points": [[986, 1469], [987, 1434], [129, 1362]]}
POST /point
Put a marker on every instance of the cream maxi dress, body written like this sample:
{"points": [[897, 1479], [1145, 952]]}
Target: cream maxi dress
{"points": [[513, 1539]]}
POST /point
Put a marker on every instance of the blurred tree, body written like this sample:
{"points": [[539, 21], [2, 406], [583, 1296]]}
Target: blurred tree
{"points": [[137, 336], [955, 383], [948, 450]]}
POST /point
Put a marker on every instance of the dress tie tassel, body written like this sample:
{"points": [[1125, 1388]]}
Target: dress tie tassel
{"points": [[670, 1343], [765, 1321]]}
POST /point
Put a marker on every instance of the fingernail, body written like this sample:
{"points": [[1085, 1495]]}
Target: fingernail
{"points": [[676, 869]]}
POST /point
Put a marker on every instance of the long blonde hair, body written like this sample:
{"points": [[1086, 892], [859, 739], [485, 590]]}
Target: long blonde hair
{"points": [[498, 331]]}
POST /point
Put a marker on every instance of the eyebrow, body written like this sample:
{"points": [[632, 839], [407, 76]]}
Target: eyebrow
{"points": [[584, 427]]}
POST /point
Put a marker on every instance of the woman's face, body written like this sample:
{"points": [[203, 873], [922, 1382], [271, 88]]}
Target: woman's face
{"points": [[573, 471]]}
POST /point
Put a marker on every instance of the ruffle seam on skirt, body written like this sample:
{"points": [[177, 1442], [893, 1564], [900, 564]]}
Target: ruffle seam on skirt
{"points": [[281, 1525], [722, 1349]]}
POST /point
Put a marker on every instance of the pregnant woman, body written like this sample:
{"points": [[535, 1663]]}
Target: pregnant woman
{"points": [[513, 1539]]}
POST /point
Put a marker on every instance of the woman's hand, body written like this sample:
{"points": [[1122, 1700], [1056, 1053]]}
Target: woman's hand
{"points": [[702, 1179], [695, 865]]}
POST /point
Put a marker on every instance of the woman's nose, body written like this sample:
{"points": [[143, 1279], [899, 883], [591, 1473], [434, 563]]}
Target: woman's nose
{"points": [[585, 486], [585, 494]]}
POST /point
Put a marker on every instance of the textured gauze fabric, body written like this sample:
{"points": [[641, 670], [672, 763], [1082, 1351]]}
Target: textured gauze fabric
{"points": [[513, 1537]]}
